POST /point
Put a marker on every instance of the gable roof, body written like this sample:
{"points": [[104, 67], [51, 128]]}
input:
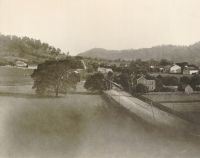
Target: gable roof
{"points": [[146, 78], [175, 66]]}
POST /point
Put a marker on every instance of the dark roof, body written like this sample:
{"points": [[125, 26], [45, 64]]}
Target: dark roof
{"points": [[193, 66], [183, 64]]}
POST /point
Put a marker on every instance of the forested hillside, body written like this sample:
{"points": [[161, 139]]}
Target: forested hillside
{"points": [[30, 50], [174, 53]]}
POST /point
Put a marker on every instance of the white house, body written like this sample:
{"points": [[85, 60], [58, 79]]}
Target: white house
{"points": [[190, 70], [150, 84], [104, 70], [32, 67], [175, 69], [21, 64]]}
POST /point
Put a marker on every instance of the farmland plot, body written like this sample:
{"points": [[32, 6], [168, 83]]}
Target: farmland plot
{"points": [[173, 97], [189, 105], [10, 76]]}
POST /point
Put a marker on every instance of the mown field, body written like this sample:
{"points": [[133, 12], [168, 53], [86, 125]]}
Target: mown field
{"points": [[176, 97], [10, 76], [83, 126]]}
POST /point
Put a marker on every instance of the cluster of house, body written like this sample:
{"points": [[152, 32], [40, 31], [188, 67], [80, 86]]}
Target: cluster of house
{"points": [[151, 83], [181, 68], [184, 68]]}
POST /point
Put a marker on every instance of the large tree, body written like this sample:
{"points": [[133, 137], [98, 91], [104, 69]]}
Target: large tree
{"points": [[195, 81], [125, 80], [56, 76]]}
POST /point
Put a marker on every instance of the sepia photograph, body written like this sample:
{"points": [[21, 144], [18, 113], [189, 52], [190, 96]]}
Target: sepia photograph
{"points": [[99, 79]]}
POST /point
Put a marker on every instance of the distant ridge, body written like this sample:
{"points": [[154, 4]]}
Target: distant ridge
{"points": [[175, 53]]}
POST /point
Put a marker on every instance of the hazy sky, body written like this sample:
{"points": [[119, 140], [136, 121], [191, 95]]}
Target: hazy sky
{"points": [[78, 25]]}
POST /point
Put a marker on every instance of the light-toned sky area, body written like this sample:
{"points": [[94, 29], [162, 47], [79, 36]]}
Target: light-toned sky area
{"points": [[78, 25]]}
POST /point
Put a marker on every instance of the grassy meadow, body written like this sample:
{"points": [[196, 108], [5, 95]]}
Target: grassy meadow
{"points": [[11, 76]]}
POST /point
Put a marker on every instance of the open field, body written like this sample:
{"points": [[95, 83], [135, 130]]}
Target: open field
{"points": [[189, 105], [15, 80], [86, 127], [184, 107], [15, 76], [190, 110]]}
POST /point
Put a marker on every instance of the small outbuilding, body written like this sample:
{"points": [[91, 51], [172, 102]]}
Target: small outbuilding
{"points": [[188, 89], [104, 70], [190, 70], [21, 64]]}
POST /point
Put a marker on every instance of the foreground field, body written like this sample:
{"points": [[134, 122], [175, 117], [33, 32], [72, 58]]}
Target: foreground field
{"points": [[83, 126]]}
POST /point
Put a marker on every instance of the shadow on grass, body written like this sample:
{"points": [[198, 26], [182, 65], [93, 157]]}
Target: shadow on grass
{"points": [[48, 131]]}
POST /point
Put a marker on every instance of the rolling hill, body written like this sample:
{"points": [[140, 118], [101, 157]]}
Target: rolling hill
{"points": [[32, 51], [175, 53]]}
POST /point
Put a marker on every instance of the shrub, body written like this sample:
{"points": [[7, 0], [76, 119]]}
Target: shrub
{"points": [[95, 82]]}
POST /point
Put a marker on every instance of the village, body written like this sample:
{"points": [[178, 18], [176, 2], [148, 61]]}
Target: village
{"points": [[142, 77], [157, 93], [156, 78], [175, 86]]}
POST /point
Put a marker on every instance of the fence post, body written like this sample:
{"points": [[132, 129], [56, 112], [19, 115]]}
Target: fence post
{"points": [[152, 111]]}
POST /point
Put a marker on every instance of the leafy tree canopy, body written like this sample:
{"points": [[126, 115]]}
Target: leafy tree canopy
{"points": [[32, 50], [139, 67], [195, 81], [95, 82], [56, 76]]}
